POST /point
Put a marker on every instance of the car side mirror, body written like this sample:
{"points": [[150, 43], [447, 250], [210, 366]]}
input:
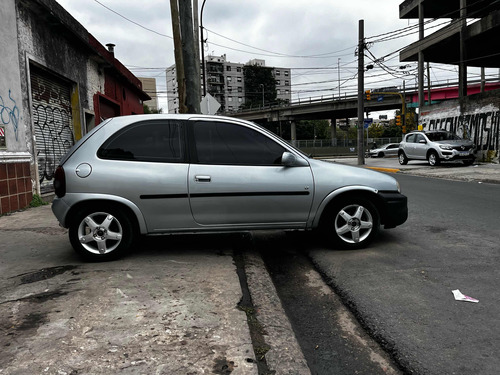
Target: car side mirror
{"points": [[290, 160]]}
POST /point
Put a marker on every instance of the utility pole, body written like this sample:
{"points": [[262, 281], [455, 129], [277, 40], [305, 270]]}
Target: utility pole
{"points": [[202, 48], [179, 65], [196, 30], [361, 84], [421, 98], [192, 76]]}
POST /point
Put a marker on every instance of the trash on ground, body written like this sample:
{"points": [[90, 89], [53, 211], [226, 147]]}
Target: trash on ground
{"points": [[460, 297]]}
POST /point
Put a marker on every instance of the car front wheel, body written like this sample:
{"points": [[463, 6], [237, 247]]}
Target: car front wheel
{"points": [[433, 158], [100, 233], [351, 224]]}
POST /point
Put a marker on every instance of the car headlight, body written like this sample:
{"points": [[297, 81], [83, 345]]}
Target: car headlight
{"points": [[445, 147]]}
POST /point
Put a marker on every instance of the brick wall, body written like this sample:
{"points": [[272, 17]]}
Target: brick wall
{"points": [[16, 190]]}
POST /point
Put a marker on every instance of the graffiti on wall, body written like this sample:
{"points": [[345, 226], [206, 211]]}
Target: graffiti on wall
{"points": [[9, 115], [54, 137], [483, 127]]}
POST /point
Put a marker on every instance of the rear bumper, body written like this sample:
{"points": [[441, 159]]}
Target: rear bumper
{"points": [[395, 209]]}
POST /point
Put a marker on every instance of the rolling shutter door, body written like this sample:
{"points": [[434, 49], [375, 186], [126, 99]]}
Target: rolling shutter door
{"points": [[52, 122]]}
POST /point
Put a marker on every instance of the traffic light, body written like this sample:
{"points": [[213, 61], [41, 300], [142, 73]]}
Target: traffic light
{"points": [[404, 129], [398, 120], [368, 95]]}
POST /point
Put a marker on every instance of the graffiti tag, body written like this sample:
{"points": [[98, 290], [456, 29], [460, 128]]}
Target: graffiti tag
{"points": [[9, 115]]}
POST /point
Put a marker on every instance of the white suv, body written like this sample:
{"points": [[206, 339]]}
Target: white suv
{"points": [[435, 146]]}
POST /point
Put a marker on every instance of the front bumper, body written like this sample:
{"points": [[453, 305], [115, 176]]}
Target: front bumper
{"points": [[394, 210], [450, 155]]}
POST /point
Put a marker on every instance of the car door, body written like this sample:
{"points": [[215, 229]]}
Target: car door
{"points": [[410, 146], [420, 147], [237, 179]]}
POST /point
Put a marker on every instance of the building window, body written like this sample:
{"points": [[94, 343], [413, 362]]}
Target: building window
{"points": [[238, 79], [278, 73], [229, 89], [240, 89], [240, 99], [229, 79], [287, 92], [287, 83], [228, 68], [278, 82], [278, 92], [286, 73], [238, 69]]}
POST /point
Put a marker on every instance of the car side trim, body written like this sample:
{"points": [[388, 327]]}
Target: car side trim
{"points": [[213, 195]]}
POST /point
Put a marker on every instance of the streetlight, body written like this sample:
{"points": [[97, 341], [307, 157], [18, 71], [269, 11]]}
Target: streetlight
{"points": [[203, 51]]}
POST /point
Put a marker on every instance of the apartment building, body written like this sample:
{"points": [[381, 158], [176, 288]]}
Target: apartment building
{"points": [[226, 83]]}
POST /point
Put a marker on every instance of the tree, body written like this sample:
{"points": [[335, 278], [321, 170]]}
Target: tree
{"points": [[258, 79], [148, 110]]}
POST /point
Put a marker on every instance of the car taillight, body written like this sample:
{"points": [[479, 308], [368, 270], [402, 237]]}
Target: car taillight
{"points": [[60, 182]]}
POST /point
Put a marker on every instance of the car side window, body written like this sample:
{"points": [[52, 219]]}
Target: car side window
{"points": [[156, 141], [225, 143], [411, 138], [419, 138]]}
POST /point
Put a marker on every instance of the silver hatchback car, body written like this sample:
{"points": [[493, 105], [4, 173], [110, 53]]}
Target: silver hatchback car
{"points": [[160, 174]]}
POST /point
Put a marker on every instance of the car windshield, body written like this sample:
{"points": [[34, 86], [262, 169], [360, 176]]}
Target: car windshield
{"points": [[443, 136]]}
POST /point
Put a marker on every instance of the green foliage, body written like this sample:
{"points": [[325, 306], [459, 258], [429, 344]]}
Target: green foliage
{"points": [[254, 77], [313, 129], [148, 110], [37, 201]]}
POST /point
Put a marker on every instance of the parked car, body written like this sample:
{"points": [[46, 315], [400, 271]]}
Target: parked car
{"points": [[389, 149], [436, 146], [158, 174]]}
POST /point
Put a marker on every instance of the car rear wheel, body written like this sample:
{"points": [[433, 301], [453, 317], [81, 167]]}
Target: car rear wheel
{"points": [[100, 233], [403, 160], [351, 223], [380, 154], [433, 158]]}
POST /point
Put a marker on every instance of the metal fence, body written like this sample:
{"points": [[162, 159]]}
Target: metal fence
{"points": [[324, 147]]}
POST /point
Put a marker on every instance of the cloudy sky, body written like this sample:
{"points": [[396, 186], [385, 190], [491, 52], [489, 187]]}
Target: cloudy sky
{"points": [[313, 37]]}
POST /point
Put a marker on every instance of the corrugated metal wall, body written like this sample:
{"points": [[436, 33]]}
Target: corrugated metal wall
{"points": [[52, 122]]}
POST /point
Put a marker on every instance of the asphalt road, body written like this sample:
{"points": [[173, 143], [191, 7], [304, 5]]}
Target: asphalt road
{"points": [[401, 287]]}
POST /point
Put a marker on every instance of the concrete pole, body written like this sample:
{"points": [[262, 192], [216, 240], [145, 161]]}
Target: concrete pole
{"points": [[333, 131], [462, 65], [421, 97], [179, 65], [293, 132], [361, 84], [429, 99], [193, 93], [483, 79], [196, 31]]}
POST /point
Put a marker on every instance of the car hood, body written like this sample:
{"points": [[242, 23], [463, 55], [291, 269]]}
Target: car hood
{"points": [[330, 176], [455, 142]]}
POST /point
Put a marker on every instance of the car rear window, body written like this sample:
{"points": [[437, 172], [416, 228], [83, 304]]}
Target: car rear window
{"points": [[156, 141]]}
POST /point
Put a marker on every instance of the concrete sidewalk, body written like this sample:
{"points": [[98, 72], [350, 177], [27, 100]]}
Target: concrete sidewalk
{"points": [[478, 172], [170, 307]]}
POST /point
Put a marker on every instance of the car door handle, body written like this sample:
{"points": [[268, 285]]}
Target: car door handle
{"points": [[202, 178]]}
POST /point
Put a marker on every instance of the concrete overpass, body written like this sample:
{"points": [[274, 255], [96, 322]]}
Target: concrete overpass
{"points": [[319, 109]]}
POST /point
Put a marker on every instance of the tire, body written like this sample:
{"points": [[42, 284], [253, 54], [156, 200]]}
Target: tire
{"points": [[350, 223], [101, 232], [380, 154], [403, 160], [433, 158]]}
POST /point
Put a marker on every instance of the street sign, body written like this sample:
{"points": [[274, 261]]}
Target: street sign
{"points": [[209, 105], [367, 122], [380, 98]]}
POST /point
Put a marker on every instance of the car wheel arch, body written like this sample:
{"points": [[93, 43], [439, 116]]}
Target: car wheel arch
{"points": [[344, 194], [139, 223]]}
